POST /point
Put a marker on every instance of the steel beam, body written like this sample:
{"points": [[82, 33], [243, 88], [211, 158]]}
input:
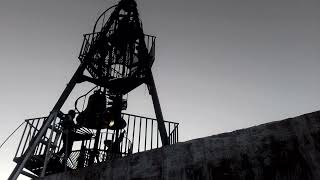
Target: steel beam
{"points": [[157, 108], [19, 166]]}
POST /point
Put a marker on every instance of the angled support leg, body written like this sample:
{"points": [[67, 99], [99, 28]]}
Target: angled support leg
{"points": [[48, 151], [19, 167], [157, 109]]}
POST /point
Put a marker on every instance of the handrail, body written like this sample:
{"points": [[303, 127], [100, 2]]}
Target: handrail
{"points": [[102, 14], [141, 135]]}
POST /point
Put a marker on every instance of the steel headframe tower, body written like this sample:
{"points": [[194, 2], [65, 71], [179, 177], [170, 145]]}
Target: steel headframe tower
{"points": [[118, 56]]}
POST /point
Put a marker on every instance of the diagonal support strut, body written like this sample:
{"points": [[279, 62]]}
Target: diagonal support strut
{"points": [[19, 167]]}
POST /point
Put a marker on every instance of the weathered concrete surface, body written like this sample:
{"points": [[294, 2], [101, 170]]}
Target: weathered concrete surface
{"points": [[283, 150]]}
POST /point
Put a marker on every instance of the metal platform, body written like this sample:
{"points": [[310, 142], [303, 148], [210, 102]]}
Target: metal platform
{"points": [[141, 135]]}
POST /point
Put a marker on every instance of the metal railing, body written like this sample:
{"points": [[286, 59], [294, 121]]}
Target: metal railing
{"points": [[90, 38], [117, 67], [141, 134]]}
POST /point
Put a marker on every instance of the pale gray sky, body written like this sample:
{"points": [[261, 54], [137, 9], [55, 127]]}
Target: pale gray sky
{"points": [[221, 65]]}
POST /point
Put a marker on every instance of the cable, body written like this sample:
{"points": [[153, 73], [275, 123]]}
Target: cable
{"points": [[11, 134]]}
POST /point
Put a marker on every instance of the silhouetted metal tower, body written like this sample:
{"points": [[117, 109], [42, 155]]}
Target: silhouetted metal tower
{"points": [[118, 56]]}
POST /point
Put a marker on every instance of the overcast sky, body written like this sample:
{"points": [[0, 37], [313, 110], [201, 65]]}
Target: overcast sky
{"points": [[221, 65]]}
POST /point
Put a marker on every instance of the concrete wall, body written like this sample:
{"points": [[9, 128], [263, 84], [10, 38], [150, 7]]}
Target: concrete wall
{"points": [[283, 150]]}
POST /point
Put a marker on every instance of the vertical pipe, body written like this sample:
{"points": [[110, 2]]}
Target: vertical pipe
{"points": [[177, 132], [139, 135], [126, 145], [133, 130], [145, 136], [100, 140], [174, 137], [170, 134], [90, 143], [121, 146], [95, 146], [157, 136], [105, 145], [65, 157], [151, 133]]}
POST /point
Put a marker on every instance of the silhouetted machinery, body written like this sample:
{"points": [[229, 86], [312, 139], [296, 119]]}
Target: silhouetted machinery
{"points": [[118, 57], [98, 116]]}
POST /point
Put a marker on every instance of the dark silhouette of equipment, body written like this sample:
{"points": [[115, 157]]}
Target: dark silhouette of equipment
{"points": [[98, 116], [93, 116], [118, 57]]}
